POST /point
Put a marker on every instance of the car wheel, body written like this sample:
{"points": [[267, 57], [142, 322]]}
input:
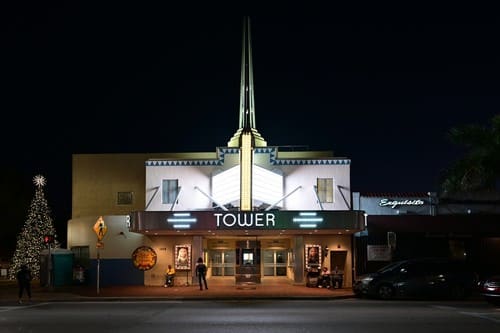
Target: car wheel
{"points": [[385, 291]]}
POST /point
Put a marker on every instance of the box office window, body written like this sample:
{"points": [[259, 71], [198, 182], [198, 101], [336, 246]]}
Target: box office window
{"points": [[325, 189], [170, 190]]}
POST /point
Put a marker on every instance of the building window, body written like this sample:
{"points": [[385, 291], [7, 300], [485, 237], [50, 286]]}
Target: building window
{"points": [[170, 190], [124, 198], [274, 262], [325, 190]]}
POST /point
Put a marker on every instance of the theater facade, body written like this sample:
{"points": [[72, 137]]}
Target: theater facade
{"points": [[250, 210]]}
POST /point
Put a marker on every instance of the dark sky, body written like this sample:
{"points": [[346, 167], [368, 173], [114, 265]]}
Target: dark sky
{"points": [[125, 79]]}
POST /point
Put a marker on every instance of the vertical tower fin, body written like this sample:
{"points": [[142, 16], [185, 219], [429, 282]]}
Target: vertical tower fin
{"points": [[247, 99]]}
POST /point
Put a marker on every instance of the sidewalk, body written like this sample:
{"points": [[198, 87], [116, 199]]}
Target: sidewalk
{"points": [[216, 290]]}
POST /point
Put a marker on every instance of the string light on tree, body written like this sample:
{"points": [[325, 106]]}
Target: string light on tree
{"points": [[33, 236]]}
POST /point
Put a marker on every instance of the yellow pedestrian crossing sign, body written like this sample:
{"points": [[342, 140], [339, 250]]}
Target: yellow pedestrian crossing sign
{"points": [[100, 228]]}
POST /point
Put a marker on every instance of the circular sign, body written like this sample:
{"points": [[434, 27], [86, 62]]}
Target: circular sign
{"points": [[144, 258]]}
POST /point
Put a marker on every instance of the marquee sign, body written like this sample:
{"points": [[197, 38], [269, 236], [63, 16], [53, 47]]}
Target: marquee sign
{"points": [[244, 219], [251, 220]]}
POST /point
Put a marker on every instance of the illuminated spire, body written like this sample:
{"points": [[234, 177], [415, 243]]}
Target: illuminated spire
{"points": [[247, 100]]}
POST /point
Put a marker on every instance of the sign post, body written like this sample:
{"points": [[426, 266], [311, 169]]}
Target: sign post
{"points": [[100, 230], [49, 239]]}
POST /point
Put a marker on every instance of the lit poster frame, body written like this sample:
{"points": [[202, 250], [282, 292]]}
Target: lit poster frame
{"points": [[183, 257], [313, 255]]}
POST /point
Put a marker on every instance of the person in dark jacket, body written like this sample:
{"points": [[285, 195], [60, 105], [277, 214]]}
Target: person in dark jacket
{"points": [[24, 278], [201, 272]]}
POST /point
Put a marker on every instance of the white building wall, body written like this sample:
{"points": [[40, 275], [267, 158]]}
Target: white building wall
{"points": [[119, 243], [306, 176], [303, 176], [189, 177]]}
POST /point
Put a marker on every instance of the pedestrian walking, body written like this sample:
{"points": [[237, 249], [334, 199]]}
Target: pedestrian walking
{"points": [[24, 278], [201, 272]]}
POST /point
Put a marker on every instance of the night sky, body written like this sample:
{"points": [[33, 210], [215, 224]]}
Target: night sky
{"points": [[116, 80]]}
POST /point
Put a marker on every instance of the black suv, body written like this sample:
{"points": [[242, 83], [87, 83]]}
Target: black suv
{"points": [[418, 278]]}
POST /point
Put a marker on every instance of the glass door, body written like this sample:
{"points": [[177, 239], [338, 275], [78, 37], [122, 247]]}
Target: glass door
{"points": [[222, 262], [274, 262]]}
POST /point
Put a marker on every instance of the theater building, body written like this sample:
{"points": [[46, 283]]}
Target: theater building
{"points": [[251, 210]]}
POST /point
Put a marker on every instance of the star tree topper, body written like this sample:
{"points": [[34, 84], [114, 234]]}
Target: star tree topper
{"points": [[39, 181]]}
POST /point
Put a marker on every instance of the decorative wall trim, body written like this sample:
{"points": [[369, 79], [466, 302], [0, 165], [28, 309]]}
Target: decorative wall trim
{"points": [[272, 151], [184, 163]]}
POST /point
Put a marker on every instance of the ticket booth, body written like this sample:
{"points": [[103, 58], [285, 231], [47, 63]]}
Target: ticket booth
{"points": [[247, 262]]}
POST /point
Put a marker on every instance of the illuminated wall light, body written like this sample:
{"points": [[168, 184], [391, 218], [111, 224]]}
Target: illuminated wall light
{"points": [[181, 220], [181, 226], [307, 226], [186, 220], [307, 213], [307, 219]]}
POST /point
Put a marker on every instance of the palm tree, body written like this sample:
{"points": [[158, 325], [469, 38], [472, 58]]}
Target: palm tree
{"points": [[479, 169]]}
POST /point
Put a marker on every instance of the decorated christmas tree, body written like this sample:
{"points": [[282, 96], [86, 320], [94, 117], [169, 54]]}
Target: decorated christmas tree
{"points": [[33, 237]]}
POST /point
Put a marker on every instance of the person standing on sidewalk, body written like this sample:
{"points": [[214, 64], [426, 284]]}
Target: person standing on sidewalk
{"points": [[201, 272], [24, 278]]}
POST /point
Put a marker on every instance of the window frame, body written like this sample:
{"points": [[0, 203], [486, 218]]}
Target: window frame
{"points": [[169, 191], [324, 190]]}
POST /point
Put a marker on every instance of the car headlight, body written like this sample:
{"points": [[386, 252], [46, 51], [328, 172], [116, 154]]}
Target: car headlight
{"points": [[366, 280]]}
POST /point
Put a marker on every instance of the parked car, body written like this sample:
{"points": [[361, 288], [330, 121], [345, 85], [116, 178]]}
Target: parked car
{"points": [[490, 289], [418, 278]]}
